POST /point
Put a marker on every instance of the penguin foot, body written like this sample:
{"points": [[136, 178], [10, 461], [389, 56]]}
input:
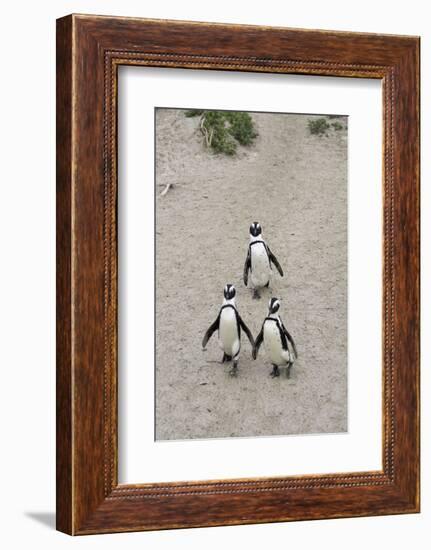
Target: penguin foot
{"points": [[256, 295], [289, 366], [275, 372]]}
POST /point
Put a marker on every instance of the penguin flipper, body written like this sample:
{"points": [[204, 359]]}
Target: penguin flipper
{"points": [[246, 330], [291, 341], [258, 343], [247, 267], [274, 260], [211, 331]]}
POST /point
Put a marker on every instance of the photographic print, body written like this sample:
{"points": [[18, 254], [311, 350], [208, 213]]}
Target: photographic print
{"points": [[251, 274]]}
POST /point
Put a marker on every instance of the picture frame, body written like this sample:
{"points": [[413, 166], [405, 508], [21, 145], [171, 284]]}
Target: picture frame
{"points": [[89, 51]]}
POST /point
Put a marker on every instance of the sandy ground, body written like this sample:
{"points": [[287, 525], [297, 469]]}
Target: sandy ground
{"points": [[295, 185]]}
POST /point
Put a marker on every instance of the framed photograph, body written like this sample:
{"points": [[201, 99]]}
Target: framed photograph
{"points": [[237, 274]]}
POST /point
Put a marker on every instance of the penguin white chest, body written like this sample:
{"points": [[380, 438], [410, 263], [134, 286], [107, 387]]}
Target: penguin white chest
{"points": [[260, 267], [228, 332], [273, 344]]}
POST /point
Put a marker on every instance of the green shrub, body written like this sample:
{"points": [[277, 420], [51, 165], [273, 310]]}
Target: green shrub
{"points": [[318, 126], [337, 126], [217, 134], [241, 127], [223, 130]]}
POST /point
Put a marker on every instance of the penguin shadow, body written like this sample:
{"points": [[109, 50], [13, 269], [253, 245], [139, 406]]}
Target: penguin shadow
{"points": [[219, 363], [226, 364], [263, 294], [287, 373]]}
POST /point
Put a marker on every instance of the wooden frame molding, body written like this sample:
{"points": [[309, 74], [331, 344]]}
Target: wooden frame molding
{"points": [[89, 51]]}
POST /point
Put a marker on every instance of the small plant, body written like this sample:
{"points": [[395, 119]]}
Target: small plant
{"points": [[193, 112], [241, 127], [337, 126], [223, 130], [318, 126]]}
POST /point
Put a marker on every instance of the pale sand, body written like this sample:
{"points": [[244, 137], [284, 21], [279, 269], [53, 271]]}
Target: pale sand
{"points": [[295, 185]]}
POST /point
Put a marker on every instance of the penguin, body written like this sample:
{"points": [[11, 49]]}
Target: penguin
{"points": [[279, 343], [229, 325], [259, 261]]}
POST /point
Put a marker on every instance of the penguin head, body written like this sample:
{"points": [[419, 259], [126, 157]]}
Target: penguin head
{"points": [[274, 306], [229, 292], [255, 229]]}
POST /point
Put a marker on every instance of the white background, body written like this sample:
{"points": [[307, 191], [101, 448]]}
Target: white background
{"points": [[141, 458], [27, 274]]}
